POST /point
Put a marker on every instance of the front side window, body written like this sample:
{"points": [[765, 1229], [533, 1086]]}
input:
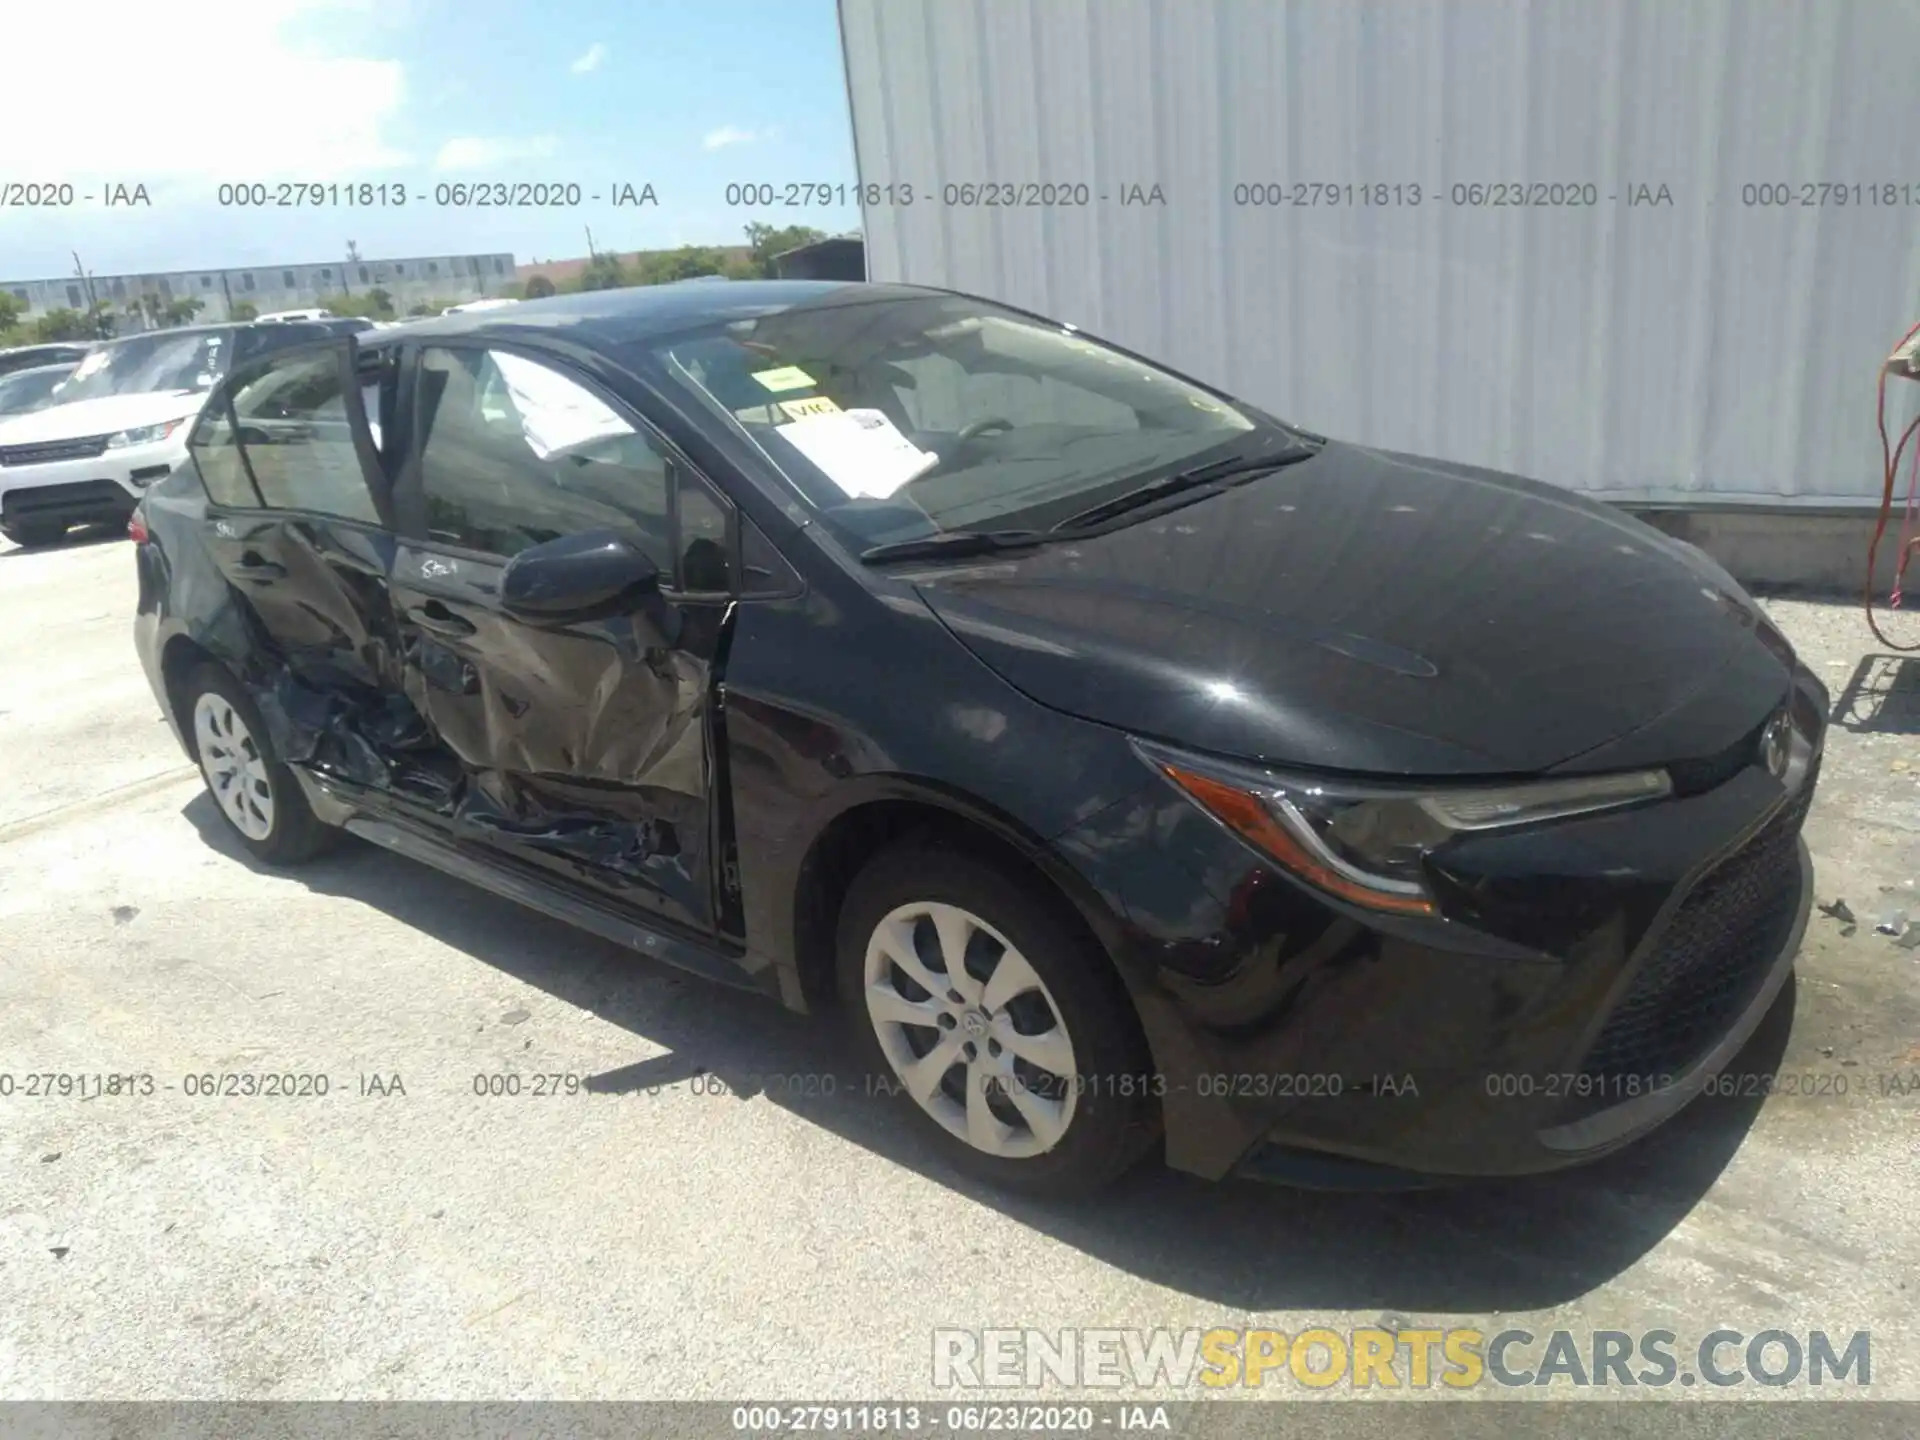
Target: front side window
{"points": [[296, 438], [898, 418], [514, 453], [215, 451], [706, 549]]}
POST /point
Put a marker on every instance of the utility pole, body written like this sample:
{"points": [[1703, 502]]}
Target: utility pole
{"points": [[93, 303], [86, 280], [353, 258], [226, 292], [590, 250]]}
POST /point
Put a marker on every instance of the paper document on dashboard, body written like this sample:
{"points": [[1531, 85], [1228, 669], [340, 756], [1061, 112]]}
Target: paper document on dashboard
{"points": [[861, 451]]}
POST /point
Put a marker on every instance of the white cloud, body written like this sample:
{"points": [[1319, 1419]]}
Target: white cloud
{"points": [[328, 117], [474, 152], [732, 135], [596, 52]]}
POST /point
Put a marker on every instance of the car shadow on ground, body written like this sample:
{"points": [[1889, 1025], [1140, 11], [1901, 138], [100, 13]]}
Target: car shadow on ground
{"points": [[77, 538], [1511, 1246]]}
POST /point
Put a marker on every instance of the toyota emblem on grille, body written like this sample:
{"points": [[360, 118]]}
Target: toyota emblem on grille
{"points": [[1774, 746]]}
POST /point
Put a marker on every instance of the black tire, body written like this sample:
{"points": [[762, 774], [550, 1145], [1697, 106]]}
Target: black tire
{"points": [[28, 534], [1113, 1120], [295, 834]]}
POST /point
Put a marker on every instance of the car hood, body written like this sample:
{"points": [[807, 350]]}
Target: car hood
{"points": [[1383, 613], [100, 417]]}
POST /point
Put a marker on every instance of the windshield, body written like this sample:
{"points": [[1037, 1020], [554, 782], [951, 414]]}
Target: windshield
{"points": [[901, 418], [149, 363]]}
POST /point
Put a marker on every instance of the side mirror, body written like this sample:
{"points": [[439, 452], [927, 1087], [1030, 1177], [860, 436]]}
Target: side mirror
{"points": [[576, 576]]}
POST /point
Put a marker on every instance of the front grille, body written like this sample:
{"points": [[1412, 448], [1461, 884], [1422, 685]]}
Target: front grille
{"points": [[1706, 966], [49, 450]]}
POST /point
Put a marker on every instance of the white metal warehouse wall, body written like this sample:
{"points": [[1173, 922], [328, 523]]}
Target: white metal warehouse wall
{"points": [[1702, 349]]}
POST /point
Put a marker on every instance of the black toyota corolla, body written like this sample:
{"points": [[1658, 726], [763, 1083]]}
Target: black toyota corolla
{"points": [[1135, 770]]}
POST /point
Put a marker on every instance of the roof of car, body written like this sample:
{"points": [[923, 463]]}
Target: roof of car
{"points": [[170, 331], [639, 312], [46, 345]]}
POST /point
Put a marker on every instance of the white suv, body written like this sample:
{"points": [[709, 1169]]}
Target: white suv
{"points": [[118, 424]]}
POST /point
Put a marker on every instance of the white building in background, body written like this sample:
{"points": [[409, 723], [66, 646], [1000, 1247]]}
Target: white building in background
{"points": [[1655, 252], [410, 281]]}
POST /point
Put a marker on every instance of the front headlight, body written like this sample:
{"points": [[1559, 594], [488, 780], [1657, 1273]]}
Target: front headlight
{"points": [[1365, 842], [142, 434]]}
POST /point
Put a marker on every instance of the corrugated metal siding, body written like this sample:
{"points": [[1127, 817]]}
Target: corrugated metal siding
{"points": [[1700, 350]]}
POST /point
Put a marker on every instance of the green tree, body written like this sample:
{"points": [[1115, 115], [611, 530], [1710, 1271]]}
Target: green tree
{"points": [[182, 310], [100, 322], [376, 304], [244, 310], [61, 324], [11, 306], [686, 263], [538, 287], [604, 272], [767, 241]]}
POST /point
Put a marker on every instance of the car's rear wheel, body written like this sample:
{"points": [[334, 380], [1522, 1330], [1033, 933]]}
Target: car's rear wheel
{"points": [[29, 533], [255, 793], [1006, 1030]]}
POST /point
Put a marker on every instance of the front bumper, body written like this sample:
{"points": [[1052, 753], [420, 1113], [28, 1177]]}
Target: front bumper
{"points": [[86, 489], [1592, 976]]}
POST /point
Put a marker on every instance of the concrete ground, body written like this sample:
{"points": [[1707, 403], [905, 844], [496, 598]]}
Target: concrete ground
{"points": [[657, 1239]]}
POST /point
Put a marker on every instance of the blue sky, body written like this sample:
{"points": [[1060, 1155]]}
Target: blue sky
{"points": [[683, 95]]}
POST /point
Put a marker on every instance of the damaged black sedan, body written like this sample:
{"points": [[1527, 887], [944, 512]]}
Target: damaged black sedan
{"points": [[1133, 769]]}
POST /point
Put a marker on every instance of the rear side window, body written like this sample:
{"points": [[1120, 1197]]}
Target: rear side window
{"points": [[514, 453], [286, 429]]}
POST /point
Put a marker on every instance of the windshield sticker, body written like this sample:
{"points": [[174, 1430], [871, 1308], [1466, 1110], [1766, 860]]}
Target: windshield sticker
{"points": [[787, 377], [859, 450], [812, 405]]}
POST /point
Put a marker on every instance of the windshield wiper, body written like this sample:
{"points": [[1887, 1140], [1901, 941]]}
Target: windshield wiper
{"points": [[1200, 477], [956, 543]]}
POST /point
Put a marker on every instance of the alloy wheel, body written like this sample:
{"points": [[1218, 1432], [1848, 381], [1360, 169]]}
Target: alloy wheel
{"points": [[970, 1029], [236, 771]]}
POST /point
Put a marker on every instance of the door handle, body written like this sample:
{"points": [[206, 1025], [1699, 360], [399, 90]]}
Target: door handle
{"points": [[441, 621], [252, 566]]}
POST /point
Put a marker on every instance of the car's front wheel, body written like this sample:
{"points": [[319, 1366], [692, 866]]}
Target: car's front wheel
{"points": [[976, 1002], [254, 791]]}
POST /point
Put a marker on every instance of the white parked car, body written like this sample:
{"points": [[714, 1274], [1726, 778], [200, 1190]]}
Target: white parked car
{"points": [[467, 305], [282, 317], [119, 423]]}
